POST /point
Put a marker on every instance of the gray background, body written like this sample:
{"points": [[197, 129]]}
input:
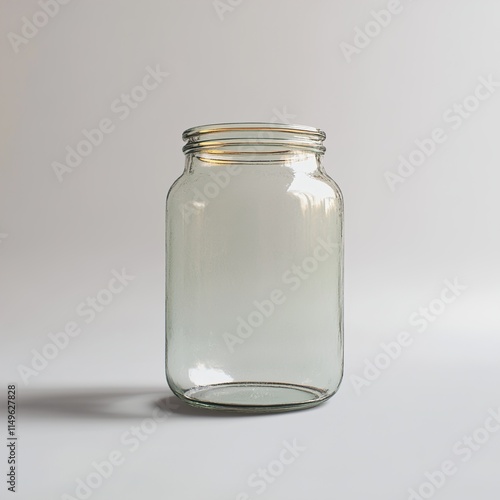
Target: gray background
{"points": [[256, 61]]}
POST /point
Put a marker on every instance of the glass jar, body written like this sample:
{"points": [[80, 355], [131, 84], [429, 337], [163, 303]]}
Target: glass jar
{"points": [[254, 270]]}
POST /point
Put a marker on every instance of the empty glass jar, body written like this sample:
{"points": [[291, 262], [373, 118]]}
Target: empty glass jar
{"points": [[254, 270]]}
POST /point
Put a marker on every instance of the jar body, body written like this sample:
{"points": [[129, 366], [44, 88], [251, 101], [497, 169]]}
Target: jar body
{"points": [[254, 283]]}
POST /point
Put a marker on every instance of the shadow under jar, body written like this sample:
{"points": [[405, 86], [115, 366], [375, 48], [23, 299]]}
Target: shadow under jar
{"points": [[254, 270]]}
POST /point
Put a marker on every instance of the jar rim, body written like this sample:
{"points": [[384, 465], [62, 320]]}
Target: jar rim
{"points": [[226, 135]]}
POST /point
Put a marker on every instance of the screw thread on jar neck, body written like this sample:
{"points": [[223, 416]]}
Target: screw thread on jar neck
{"points": [[256, 139]]}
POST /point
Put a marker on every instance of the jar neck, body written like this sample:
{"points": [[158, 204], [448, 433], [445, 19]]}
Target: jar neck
{"points": [[251, 144], [299, 161]]}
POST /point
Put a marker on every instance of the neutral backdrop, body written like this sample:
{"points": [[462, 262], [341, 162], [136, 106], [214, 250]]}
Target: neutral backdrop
{"points": [[63, 235]]}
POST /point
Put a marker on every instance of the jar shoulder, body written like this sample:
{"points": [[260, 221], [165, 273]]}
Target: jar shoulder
{"points": [[337, 192], [210, 184]]}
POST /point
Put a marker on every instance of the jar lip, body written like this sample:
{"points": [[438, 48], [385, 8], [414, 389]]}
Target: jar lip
{"points": [[249, 126], [250, 133]]}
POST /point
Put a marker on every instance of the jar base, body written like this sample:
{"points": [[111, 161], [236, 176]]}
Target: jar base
{"points": [[254, 397]]}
